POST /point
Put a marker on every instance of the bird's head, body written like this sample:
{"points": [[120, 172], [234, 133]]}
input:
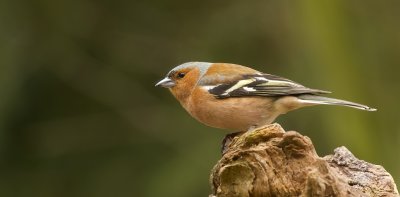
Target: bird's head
{"points": [[182, 79]]}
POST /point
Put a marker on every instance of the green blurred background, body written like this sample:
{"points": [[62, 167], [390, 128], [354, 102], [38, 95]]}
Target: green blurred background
{"points": [[80, 115]]}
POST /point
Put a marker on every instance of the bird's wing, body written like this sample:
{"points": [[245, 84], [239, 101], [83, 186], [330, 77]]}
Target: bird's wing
{"points": [[259, 85]]}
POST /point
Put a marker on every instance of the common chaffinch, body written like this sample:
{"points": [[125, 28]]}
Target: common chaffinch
{"points": [[239, 98]]}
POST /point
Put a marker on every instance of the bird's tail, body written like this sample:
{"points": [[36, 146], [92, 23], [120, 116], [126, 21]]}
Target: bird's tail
{"points": [[314, 99]]}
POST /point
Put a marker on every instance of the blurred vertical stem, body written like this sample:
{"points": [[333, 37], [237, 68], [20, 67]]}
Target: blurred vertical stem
{"points": [[326, 28]]}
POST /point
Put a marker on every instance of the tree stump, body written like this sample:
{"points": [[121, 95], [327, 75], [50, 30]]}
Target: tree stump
{"points": [[271, 162]]}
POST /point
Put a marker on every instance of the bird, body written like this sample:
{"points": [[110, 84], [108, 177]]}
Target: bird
{"points": [[238, 98]]}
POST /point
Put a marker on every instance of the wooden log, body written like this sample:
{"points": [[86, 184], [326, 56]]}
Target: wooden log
{"points": [[271, 162]]}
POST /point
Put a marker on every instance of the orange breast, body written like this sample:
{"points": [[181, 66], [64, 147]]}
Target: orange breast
{"points": [[235, 114]]}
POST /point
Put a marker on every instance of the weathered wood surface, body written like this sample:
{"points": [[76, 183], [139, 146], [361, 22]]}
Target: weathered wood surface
{"points": [[271, 162]]}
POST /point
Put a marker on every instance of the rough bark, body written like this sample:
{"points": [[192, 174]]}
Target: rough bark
{"points": [[271, 162]]}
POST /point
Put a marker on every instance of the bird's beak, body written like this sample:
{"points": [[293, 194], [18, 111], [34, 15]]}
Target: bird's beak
{"points": [[166, 83]]}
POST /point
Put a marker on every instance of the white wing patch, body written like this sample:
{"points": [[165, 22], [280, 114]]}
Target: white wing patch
{"points": [[238, 85], [249, 89], [209, 87], [261, 78], [279, 83]]}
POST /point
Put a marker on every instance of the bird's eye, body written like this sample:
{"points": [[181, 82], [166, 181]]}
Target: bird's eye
{"points": [[181, 75]]}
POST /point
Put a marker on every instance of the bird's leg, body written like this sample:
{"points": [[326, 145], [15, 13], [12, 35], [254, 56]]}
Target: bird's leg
{"points": [[227, 140]]}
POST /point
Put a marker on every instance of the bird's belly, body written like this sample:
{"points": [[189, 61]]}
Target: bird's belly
{"points": [[234, 114]]}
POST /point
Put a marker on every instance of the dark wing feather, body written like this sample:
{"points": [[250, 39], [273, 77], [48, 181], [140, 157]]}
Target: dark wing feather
{"points": [[261, 85]]}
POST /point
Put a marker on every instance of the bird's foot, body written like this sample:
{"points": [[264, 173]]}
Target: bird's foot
{"points": [[227, 141]]}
